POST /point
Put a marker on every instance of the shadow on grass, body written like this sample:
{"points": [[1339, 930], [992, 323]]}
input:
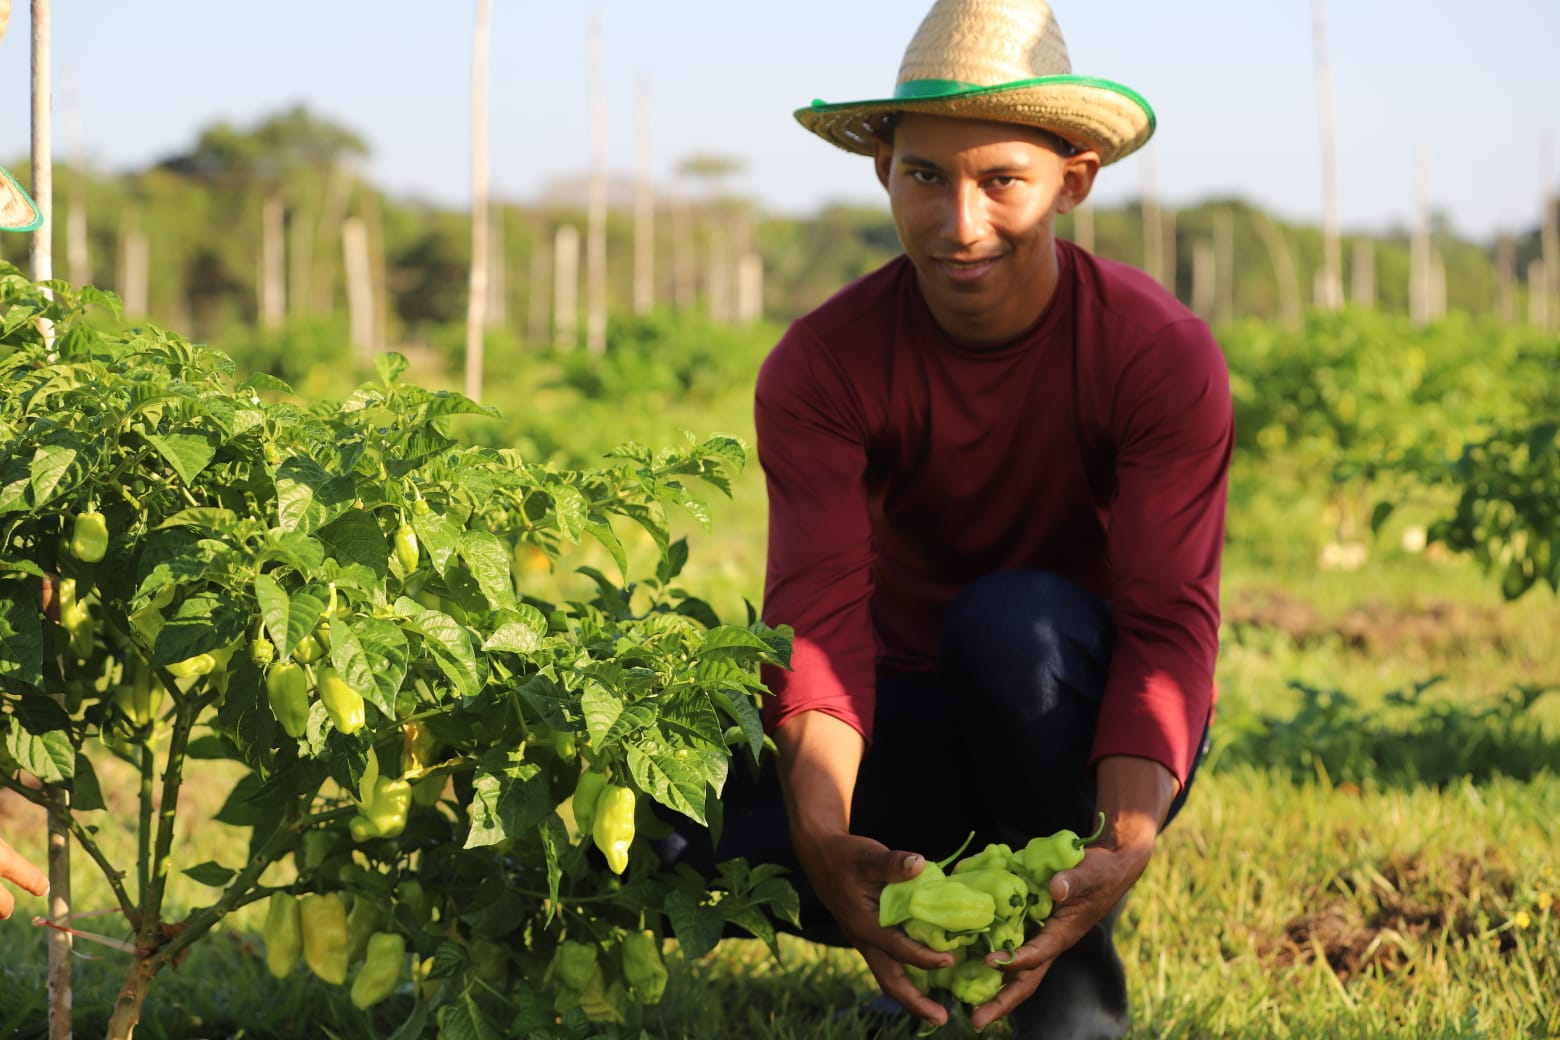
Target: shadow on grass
{"points": [[1410, 741]]}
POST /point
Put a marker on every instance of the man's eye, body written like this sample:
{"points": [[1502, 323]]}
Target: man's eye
{"points": [[1003, 181], [923, 176]]}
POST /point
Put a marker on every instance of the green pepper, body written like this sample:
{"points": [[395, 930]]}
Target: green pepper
{"points": [[992, 857], [563, 741], [75, 618], [949, 903], [418, 747], [283, 934], [1006, 934], [1041, 904], [193, 667], [89, 537], [935, 937], [407, 552], [894, 900], [381, 970], [324, 920], [643, 968], [287, 690], [489, 961], [1063, 850], [141, 699], [573, 965], [261, 651], [975, 982], [587, 792], [312, 646], [613, 826], [1005, 888], [919, 977], [383, 815], [342, 702]]}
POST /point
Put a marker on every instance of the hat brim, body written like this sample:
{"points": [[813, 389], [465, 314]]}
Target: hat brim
{"points": [[18, 212], [1096, 114]]}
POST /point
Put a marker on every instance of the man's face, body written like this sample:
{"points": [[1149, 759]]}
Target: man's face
{"points": [[975, 204]]}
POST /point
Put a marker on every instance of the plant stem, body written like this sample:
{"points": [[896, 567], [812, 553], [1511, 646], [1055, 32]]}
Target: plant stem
{"points": [[143, 862], [83, 838]]}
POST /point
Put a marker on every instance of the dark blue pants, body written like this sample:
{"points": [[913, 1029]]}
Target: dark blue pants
{"points": [[996, 740]]}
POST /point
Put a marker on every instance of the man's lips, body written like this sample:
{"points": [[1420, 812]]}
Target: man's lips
{"points": [[962, 269]]}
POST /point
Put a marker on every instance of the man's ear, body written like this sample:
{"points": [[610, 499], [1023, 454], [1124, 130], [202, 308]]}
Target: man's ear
{"points": [[1078, 173], [883, 159]]}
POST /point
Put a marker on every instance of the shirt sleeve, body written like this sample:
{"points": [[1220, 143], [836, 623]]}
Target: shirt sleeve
{"points": [[1164, 546], [812, 447]]}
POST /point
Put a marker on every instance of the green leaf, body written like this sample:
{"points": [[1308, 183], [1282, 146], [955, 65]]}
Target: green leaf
{"points": [[211, 874], [241, 808], [602, 708], [555, 841], [21, 632], [289, 619], [506, 803], [697, 927], [463, 1019], [488, 561], [205, 622], [570, 510], [85, 793], [48, 756], [357, 544], [677, 778], [51, 464], [730, 637], [450, 645], [187, 453], [308, 498], [439, 535], [371, 654]]}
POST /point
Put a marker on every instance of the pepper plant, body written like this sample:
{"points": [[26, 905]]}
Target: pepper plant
{"points": [[325, 598]]}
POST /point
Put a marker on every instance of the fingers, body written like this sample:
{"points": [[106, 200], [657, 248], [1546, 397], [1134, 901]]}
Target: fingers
{"points": [[893, 981], [1019, 987], [16, 869]]}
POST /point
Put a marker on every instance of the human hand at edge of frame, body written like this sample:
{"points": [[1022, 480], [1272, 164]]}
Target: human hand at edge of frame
{"points": [[1083, 896], [17, 870], [849, 877]]}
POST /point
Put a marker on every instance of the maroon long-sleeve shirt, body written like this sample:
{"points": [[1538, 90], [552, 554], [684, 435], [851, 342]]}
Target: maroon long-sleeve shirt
{"points": [[901, 465]]}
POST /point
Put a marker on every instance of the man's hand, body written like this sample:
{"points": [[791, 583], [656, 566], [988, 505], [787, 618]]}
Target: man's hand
{"points": [[1135, 795], [16, 869], [819, 760]]}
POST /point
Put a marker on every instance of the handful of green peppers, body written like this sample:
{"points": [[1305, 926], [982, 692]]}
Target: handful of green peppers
{"points": [[983, 904]]}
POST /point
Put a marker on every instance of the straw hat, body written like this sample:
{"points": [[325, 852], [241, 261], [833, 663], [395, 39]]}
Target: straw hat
{"points": [[1003, 60]]}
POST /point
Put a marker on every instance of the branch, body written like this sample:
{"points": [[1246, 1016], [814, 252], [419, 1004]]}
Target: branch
{"points": [[83, 838]]}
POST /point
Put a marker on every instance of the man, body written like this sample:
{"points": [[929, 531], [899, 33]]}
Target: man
{"points": [[18, 212], [997, 472]]}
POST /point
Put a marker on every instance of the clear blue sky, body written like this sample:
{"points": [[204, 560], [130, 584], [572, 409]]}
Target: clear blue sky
{"points": [[1475, 88]]}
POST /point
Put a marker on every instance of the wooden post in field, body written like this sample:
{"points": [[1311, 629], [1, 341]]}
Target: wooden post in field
{"points": [[644, 209], [684, 255], [566, 287], [1419, 250], [750, 288], [1330, 295], [1204, 280], [132, 263], [1083, 227], [1538, 296], [596, 208], [379, 277], [1284, 272], [1224, 265], [476, 294], [1549, 237], [1436, 303], [41, 253], [273, 262], [1506, 279], [1363, 273], [539, 291], [360, 291]]}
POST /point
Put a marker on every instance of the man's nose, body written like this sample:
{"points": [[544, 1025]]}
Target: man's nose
{"points": [[964, 217]]}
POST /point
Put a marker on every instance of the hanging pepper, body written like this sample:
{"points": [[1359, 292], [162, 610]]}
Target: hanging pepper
{"points": [[418, 746], [381, 970], [75, 618], [587, 792], [383, 815], [364, 919], [287, 690], [324, 920], [193, 667], [342, 702], [141, 698], [1006, 889], [894, 900], [89, 537], [411, 895], [261, 651], [283, 934], [975, 982], [950, 904], [407, 552], [573, 965], [643, 968], [613, 826]]}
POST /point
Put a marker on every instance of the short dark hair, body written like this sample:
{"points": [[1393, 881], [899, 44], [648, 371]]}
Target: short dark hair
{"points": [[883, 129]]}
